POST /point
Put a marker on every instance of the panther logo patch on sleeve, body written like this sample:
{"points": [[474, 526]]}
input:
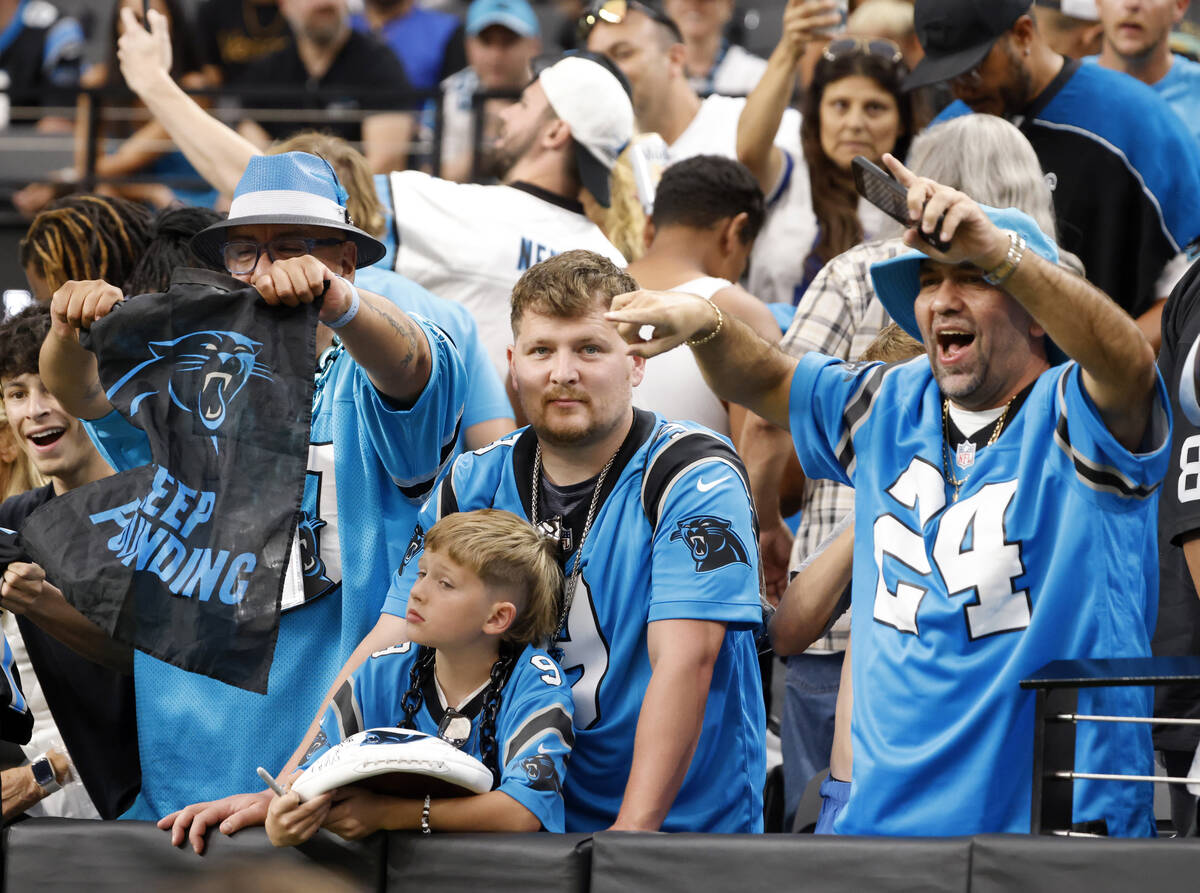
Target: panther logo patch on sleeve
{"points": [[415, 545], [539, 769], [319, 741], [712, 542]]}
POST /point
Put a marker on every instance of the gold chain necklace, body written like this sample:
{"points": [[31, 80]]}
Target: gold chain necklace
{"points": [[947, 464]]}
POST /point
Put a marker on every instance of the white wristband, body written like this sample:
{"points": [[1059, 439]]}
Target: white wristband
{"points": [[352, 311]]}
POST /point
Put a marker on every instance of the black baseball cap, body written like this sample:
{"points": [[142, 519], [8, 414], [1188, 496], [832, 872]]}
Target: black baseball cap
{"points": [[957, 34]]}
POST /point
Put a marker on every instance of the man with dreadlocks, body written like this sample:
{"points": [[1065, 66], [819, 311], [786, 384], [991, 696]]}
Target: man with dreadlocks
{"points": [[84, 237], [486, 594]]}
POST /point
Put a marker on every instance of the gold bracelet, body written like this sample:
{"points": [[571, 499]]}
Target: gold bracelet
{"points": [[696, 342], [1001, 273]]}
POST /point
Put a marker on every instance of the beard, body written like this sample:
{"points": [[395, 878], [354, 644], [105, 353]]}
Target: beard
{"points": [[324, 29], [1017, 93], [504, 157]]}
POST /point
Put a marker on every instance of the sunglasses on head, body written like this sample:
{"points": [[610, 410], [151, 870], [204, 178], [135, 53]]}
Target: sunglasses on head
{"points": [[855, 46], [615, 11]]}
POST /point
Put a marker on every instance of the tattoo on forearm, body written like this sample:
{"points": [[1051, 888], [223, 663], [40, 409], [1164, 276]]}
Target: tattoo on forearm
{"points": [[404, 330]]}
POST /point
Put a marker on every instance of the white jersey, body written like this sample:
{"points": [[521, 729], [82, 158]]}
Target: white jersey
{"points": [[714, 130], [469, 243], [777, 261], [736, 74], [673, 385]]}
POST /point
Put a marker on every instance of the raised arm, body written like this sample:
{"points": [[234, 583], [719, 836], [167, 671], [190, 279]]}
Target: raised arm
{"points": [[67, 368], [384, 340], [737, 364], [218, 152], [766, 104], [1116, 359]]}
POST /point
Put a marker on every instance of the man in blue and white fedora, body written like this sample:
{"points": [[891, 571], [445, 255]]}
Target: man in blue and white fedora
{"points": [[1006, 488], [386, 411]]}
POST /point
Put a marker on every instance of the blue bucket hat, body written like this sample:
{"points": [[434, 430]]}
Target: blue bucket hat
{"points": [[294, 187], [897, 280]]}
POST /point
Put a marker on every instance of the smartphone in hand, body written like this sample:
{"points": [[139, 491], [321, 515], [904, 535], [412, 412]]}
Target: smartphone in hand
{"points": [[877, 186]]}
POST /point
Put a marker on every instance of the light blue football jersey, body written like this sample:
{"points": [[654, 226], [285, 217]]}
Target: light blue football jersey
{"points": [[370, 466], [533, 725], [1048, 553], [694, 556]]}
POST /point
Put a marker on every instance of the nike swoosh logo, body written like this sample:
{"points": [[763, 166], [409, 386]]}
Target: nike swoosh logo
{"points": [[704, 486], [542, 749]]}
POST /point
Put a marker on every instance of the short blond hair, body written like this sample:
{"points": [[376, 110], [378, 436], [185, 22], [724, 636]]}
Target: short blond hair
{"points": [[506, 552], [892, 345]]}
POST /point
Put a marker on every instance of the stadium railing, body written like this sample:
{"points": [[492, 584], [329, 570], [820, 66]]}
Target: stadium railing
{"points": [[1056, 716]]}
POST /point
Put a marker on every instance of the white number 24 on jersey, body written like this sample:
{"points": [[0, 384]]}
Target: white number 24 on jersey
{"points": [[971, 552]]}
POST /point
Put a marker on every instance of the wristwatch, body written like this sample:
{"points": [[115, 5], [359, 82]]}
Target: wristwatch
{"points": [[43, 774]]}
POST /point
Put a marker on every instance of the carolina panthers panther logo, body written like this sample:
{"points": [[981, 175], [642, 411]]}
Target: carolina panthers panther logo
{"points": [[539, 769], [712, 542], [319, 741], [415, 545], [210, 370]]}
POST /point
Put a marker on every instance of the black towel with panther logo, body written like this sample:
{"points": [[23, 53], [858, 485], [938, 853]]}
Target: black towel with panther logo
{"points": [[184, 558]]}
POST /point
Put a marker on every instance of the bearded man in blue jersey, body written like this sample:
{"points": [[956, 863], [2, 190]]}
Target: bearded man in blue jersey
{"points": [[657, 536], [1005, 495]]}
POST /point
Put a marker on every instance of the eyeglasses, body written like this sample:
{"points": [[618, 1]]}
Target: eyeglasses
{"points": [[241, 255], [854, 46], [615, 11]]}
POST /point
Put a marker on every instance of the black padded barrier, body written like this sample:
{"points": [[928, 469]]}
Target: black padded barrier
{"points": [[699, 863], [489, 863], [1002, 863], [50, 855], [135, 857]]}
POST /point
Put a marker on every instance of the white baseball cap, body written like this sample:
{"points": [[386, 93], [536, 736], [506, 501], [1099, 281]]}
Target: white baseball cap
{"points": [[594, 101]]}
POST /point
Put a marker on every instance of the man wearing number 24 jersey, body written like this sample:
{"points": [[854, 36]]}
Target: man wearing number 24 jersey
{"points": [[1005, 491]]}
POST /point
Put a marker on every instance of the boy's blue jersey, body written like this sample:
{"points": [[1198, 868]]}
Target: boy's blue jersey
{"points": [[533, 725], [370, 465], [1048, 553], [694, 558]]}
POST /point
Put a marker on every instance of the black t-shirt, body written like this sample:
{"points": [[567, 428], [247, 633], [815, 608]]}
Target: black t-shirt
{"points": [[92, 705], [365, 64], [1107, 210], [232, 34], [41, 56], [1178, 631], [562, 511]]}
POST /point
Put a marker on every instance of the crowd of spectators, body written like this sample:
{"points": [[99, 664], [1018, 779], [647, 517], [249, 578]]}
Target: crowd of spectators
{"points": [[755, 405]]}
